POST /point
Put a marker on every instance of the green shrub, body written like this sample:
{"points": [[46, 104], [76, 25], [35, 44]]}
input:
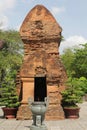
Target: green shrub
{"points": [[8, 94], [73, 93], [83, 84]]}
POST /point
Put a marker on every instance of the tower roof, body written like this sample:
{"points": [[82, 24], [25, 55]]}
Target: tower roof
{"points": [[40, 24]]}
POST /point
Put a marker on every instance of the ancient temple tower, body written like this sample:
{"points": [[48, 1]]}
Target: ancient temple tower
{"points": [[42, 73]]}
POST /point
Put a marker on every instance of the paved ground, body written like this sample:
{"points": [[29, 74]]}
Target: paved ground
{"points": [[67, 124]]}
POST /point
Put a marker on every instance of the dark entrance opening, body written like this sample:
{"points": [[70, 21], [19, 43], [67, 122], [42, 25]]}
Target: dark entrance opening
{"points": [[40, 88]]}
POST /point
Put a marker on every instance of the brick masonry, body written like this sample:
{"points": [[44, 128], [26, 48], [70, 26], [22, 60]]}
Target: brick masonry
{"points": [[41, 35]]}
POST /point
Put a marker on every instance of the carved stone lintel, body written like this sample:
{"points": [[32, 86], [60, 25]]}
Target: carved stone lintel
{"points": [[40, 71]]}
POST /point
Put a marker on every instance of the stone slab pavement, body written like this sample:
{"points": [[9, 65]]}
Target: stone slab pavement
{"points": [[66, 124]]}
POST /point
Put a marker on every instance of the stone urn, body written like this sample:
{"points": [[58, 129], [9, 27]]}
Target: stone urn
{"points": [[38, 110]]}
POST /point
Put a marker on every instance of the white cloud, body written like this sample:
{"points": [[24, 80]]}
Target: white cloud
{"points": [[6, 4], [57, 10], [72, 42], [5, 7], [3, 22]]}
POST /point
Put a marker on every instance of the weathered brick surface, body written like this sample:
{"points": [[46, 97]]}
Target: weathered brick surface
{"points": [[39, 24], [41, 35], [24, 113]]}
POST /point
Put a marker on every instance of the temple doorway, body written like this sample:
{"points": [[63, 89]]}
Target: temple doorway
{"points": [[40, 88]]}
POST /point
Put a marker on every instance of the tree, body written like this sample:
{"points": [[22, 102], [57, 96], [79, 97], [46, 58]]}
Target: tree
{"points": [[12, 41], [10, 54], [75, 61], [67, 59], [79, 65]]}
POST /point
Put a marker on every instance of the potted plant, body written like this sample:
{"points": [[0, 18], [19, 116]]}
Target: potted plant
{"points": [[9, 99], [71, 96]]}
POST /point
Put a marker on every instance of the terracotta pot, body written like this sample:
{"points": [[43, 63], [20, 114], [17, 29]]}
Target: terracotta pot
{"points": [[72, 113], [9, 112]]}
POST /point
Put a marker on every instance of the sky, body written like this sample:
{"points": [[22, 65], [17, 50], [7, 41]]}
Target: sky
{"points": [[70, 14]]}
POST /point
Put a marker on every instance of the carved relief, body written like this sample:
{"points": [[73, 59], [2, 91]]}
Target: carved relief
{"points": [[40, 71]]}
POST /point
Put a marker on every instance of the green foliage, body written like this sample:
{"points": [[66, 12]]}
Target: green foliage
{"points": [[83, 84], [73, 93], [67, 58], [10, 55], [75, 61], [13, 43], [79, 64], [8, 94], [10, 61]]}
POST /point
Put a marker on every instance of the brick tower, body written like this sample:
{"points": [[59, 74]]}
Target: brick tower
{"points": [[42, 68]]}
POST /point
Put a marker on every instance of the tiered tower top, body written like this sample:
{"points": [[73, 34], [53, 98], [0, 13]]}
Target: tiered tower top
{"points": [[39, 24]]}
